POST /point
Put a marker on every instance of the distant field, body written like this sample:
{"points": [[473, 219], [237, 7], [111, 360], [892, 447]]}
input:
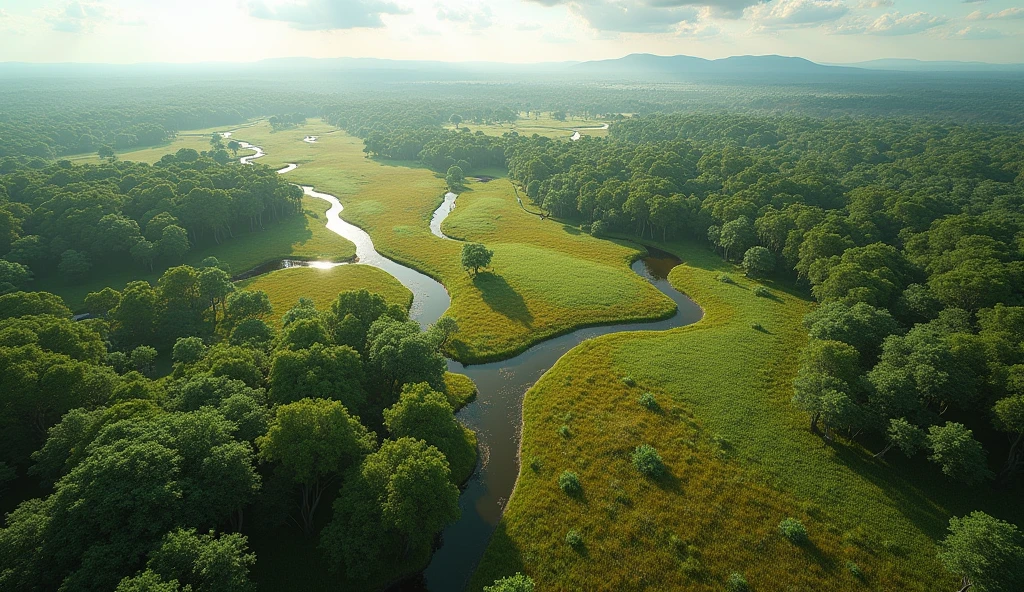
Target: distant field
{"points": [[544, 125], [322, 286], [546, 278], [198, 140], [741, 459]]}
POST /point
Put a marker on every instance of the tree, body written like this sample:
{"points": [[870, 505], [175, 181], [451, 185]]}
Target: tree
{"points": [[351, 315], [425, 414], [737, 235], [144, 252], [319, 372], [824, 383], [13, 276], [401, 495], [516, 583], [173, 243], [247, 304], [987, 553], [102, 302], [1009, 417], [904, 435], [74, 265], [188, 350], [214, 287], [205, 562], [758, 262], [455, 120], [234, 146], [397, 353], [475, 256], [861, 325], [143, 358], [455, 178], [958, 453], [442, 331], [314, 441]]}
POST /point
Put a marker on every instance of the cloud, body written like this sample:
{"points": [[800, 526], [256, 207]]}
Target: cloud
{"points": [[721, 8], [977, 33], [78, 17], [326, 15], [480, 18], [1009, 13], [866, 4], [782, 14], [890, 24], [632, 16]]}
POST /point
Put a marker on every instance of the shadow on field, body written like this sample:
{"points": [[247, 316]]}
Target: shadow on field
{"points": [[502, 297], [506, 561]]}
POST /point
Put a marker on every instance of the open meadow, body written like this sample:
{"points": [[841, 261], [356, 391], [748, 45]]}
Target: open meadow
{"points": [[739, 457], [542, 124], [549, 280]]}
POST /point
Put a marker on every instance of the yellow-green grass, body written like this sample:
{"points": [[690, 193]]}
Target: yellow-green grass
{"points": [[198, 140], [322, 286], [546, 278], [461, 389], [545, 125], [295, 237], [741, 459]]}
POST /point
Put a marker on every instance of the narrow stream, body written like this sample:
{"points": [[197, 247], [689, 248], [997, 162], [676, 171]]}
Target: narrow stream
{"points": [[496, 414]]}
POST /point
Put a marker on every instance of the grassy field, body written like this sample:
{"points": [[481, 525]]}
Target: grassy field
{"points": [[322, 286], [546, 278], [544, 125], [740, 460], [296, 237], [198, 140]]}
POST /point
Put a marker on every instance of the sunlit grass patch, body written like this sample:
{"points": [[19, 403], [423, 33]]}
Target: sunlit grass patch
{"points": [[322, 286]]}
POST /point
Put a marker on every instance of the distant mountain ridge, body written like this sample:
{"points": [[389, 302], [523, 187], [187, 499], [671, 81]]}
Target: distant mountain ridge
{"points": [[646, 63], [911, 65]]}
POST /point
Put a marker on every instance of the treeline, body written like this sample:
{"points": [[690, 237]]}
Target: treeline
{"points": [[150, 483], [909, 234], [61, 218]]}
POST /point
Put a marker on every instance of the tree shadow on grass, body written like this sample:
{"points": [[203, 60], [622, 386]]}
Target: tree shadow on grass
{"points": [[502, 297], [505, 559]]}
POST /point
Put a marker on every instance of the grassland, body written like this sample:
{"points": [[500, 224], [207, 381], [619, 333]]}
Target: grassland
{"points": [[546, 278], [295, 237], [740, 458], [322, 286], [198, 140], [542, 125]]}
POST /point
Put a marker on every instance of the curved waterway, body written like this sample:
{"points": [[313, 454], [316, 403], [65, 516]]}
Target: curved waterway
{"points": [[496, 414]]}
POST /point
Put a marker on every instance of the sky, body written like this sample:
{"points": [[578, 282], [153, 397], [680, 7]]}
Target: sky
{"points": [[830, 31]]}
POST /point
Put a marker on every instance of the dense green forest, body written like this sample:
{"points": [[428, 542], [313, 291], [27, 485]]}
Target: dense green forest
{"points": [[337, 428]]}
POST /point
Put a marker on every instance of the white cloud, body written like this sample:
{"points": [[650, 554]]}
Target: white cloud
{"points": [[326, 15], [796, 13], [866, 4], [632, 16], [479, 18], [891, 24], [977, 33], [78, 17], [1009, 13]]}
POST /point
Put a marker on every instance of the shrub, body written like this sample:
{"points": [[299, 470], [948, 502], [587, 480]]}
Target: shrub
{"points": [[855, 570], [563, 431], [762, 292], [737, 583], [692, 567], [516, 583], [647, 400], [725, 278], [794, 530], [574, 539], [628, 381], [647, 460], [757, 326], [535, 464], [569, 483]]}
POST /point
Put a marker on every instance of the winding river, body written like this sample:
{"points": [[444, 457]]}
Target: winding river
{"points": [[496, 414]]}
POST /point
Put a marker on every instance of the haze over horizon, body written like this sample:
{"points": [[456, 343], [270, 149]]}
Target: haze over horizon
{"points": [[515, 31]]}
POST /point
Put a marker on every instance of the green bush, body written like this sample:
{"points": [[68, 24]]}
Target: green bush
{"points": [[574, 539], [516, 583], [628, 381], [647, 460], [855, 570], [648, 401], [737, 583], [794, 530], [757, 326], [725, 278], [569, 483], [563, 431], [535, 464], [762, 292]]}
